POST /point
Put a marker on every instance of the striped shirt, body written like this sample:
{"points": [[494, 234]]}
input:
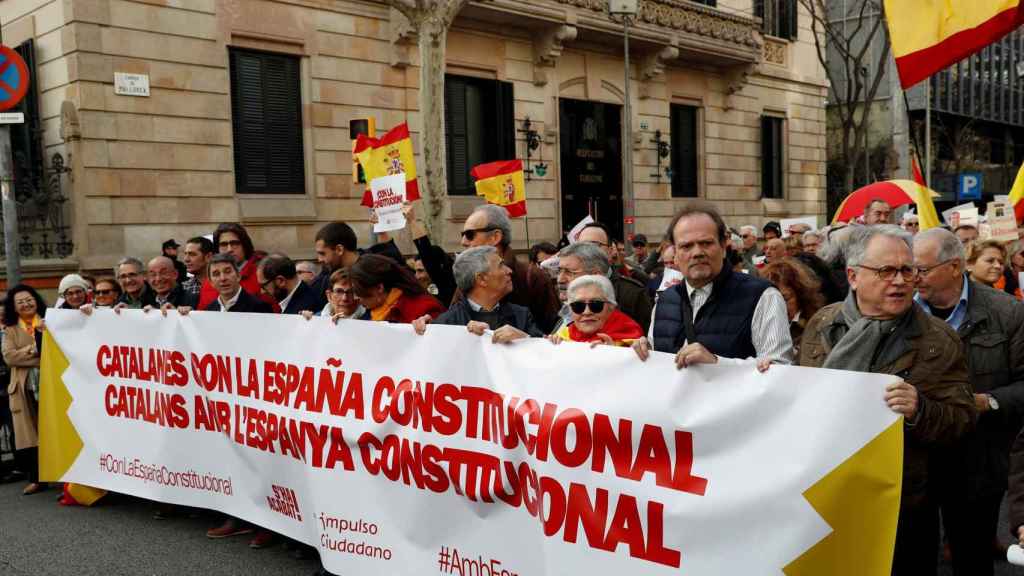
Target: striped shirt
{"points": [[769, 327]]}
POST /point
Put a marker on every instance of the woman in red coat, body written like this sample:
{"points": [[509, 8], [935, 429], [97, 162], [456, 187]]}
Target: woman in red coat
{"points": [[390, 291]]}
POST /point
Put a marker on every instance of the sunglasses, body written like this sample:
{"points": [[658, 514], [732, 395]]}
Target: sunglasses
{"points": [[230, 243], [578, 307], [103, 292], [470, 234]]}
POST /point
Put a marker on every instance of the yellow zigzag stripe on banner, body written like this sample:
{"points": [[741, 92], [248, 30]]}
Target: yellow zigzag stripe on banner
{"points": [[59, 443], [860, 500]]}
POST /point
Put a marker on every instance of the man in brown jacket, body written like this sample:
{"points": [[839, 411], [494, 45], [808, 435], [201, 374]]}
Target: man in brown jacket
{"points": [[878, 329]]}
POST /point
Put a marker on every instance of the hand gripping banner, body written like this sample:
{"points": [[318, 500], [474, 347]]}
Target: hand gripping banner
{"points": [[393, 453]]}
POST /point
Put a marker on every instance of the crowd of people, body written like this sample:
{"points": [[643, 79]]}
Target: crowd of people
{"points": [[938, 309]]}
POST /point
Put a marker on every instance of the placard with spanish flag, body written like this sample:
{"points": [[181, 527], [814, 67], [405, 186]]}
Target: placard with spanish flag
{"points": [[929, 35], [502, 183], [389, 155]]}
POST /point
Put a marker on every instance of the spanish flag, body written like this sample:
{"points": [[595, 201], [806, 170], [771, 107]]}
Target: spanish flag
{"points": [[391, 154], [929, 35], [1017, 195], [502, 183]]}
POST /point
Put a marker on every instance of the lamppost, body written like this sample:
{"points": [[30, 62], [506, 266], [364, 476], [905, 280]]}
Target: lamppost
{"points": [[627, 9]]}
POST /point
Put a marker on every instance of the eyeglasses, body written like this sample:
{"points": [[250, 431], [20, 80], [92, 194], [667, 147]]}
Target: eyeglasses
{"points": [[103, 292], [339, 292], [888, 273], [579, 306], [926, 270], [470, 234], [128, 275], [230, 243]]}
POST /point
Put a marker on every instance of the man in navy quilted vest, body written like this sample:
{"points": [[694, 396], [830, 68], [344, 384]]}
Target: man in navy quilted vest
{"points": [[716, 313]]}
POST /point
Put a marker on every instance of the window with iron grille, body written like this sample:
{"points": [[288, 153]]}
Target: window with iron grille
{"points": [[685, 176], [779, 17], [266, 114], [479, 127], [772, 157]]}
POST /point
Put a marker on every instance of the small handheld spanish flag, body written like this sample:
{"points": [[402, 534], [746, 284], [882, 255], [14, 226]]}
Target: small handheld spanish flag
{"points": [[502, 183], [389, 155]]}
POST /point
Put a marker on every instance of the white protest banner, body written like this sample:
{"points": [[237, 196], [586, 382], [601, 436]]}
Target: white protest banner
{"points": [[399, 454], [388, 195], [962, 215], [574, 234], [1002, 222]]}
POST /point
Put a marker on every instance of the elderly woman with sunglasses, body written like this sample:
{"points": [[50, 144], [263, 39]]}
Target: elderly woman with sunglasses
{"points": [[595, 315]]}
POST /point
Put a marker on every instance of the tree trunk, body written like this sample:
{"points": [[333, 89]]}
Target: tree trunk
{"points": [[433, 39]]}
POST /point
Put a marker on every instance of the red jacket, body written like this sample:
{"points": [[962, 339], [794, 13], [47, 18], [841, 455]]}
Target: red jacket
{"points": [[409, 308], [207, 293]]}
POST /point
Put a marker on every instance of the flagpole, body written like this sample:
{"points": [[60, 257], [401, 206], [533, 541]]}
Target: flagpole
{"points": [[928, 132]]}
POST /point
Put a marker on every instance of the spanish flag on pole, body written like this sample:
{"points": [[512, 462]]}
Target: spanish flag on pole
{"points": [[502, 183], [391, 154], [929, 35]]}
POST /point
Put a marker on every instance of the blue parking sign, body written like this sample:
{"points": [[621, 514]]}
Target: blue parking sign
{"points": [[971, 185]]}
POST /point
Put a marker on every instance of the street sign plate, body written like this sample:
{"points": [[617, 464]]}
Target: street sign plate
{"points": [[12, 117], [13, 78], [971, 185]]}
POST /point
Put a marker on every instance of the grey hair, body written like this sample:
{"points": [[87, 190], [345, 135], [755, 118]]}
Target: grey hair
{"points": [[601, 282], [129, 260], [497, 218], [862, 237], [471, 263], [748, 228], [812, 234], [592, 256], [950, 246]]}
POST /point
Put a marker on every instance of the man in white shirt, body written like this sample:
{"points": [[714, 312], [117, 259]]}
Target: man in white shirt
{"points": [[224, 276], [715, 313]]}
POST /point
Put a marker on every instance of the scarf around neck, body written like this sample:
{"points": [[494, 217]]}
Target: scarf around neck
{"points": [[868, 342]]}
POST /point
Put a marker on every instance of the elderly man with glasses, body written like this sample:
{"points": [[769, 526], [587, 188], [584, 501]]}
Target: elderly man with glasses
{"points": [[878, 329], [485, 279], [489, 225], [135, 293], [991, 325]]}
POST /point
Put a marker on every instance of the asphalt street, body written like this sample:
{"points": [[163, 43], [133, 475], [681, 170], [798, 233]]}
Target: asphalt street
{"points": [[120, 537], [38, 537]]}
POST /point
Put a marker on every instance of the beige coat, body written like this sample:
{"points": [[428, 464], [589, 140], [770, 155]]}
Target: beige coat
{"points": [[20, 354]]}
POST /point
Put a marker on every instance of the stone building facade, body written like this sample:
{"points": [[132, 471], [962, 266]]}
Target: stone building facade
{"points": [[720, 89]]}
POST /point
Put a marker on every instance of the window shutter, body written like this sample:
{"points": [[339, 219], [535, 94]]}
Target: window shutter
{"points": [[794, 19], [26, 138], [267, 122], [685, 176], [504, 122], [771, 157], [457, 138]]}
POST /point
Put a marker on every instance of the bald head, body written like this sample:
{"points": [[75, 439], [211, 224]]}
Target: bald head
{"points": [[162, 275]]}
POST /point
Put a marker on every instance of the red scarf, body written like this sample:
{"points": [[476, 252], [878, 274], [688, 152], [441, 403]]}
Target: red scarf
{"points": [[621, 328]]}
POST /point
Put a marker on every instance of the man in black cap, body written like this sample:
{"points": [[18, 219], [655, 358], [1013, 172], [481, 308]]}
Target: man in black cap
{"points": [[772, 230], [170, 249]]}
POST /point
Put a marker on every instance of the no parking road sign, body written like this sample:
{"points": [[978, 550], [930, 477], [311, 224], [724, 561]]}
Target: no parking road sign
{"points": [[13, 78]]}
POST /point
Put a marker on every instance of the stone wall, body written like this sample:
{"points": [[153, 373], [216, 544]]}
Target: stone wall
{"points": [[157, 167]]}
